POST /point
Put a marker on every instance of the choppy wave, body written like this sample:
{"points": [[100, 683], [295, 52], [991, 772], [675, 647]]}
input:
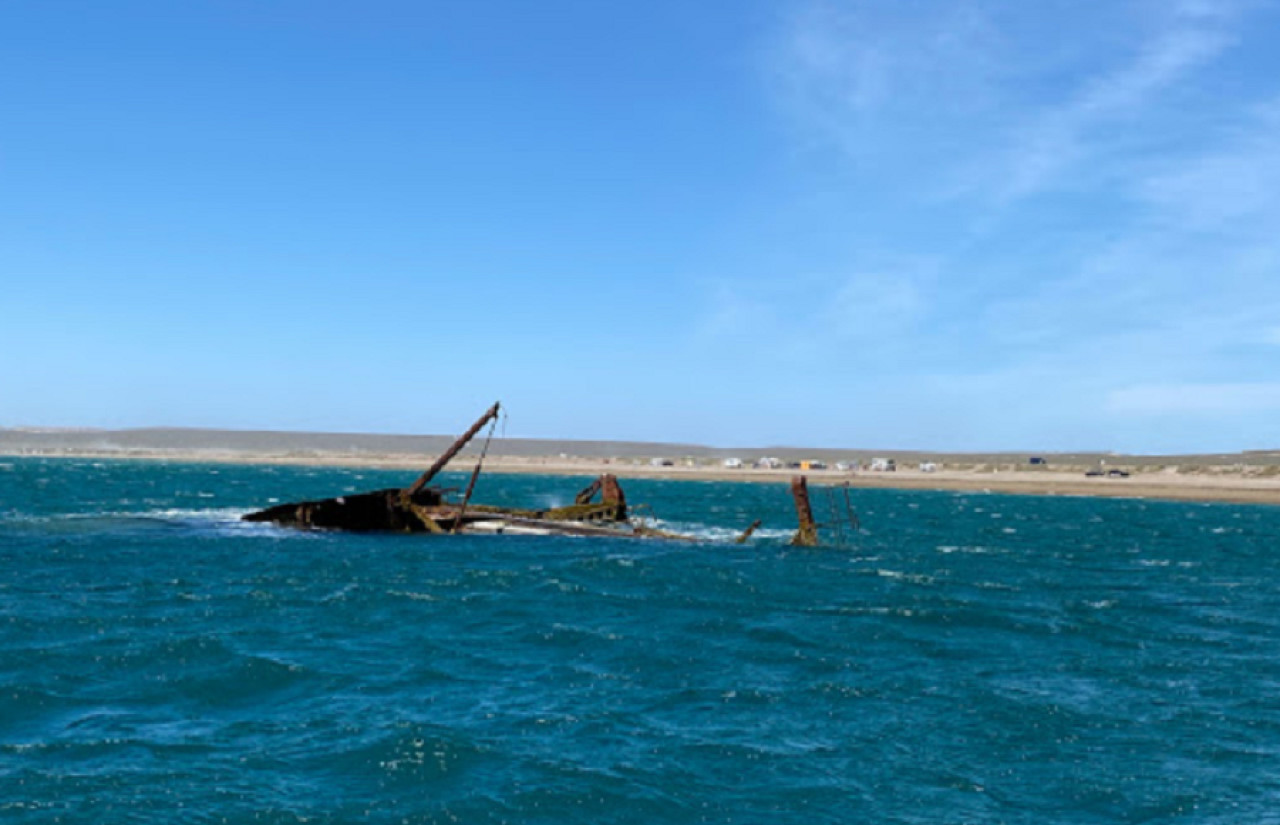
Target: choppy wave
{"points": [[162, 661]]}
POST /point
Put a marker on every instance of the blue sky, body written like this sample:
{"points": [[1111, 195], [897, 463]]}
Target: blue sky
{"points": [[892, 223]]}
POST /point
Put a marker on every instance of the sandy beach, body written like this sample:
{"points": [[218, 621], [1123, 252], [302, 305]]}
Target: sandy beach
{"points": [[1244, 478], [1224, 484]]}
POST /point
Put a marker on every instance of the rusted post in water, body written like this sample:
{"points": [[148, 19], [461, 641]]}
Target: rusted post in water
{"points": [[746, 534], [807, 533], [453, 450], [611, 493]]}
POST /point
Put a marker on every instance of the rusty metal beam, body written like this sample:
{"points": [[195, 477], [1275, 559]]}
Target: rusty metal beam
{"points": [[453, 450], [610, 493], [425, 517], [590, 490], [471, 486]]}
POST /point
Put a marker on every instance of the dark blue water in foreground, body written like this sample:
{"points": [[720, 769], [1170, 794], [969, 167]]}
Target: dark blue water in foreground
{"points": [[971, 658]]}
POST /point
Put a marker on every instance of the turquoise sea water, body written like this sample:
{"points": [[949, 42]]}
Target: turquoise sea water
{"points": [[969, 658]]}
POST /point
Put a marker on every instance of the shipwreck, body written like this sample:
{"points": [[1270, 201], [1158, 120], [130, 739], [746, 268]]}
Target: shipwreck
{"points": [[600, 509]]}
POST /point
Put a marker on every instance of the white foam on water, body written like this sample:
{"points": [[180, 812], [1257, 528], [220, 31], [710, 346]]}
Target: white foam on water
{"points": [[706, 532], [914, 578], [975, 549], [415, 596], [185, 514]]}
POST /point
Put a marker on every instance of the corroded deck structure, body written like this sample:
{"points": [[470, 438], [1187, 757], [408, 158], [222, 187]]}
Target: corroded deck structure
{"points": [[600, 509]]}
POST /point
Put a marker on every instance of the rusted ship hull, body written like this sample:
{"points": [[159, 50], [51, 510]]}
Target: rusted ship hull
{"points": [[598, 510], [394, 510], [420, 508]]}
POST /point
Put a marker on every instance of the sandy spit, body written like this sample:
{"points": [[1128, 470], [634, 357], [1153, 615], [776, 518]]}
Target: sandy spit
{"points": [[1210, 484]]}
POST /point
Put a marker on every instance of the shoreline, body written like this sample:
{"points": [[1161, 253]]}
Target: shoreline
{"points": [[1215, 485]]}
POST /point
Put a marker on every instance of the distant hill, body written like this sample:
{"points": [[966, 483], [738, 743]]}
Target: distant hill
{"points": [[18, 441]]}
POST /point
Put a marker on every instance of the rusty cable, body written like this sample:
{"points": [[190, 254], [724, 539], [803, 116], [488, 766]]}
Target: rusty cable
{"points": [[475, 474]]}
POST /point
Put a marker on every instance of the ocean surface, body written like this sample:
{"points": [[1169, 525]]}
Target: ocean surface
{"points": [[963, 658]]}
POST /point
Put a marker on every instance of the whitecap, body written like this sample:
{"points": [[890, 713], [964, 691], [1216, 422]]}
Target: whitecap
{"points": [[409, 594]]}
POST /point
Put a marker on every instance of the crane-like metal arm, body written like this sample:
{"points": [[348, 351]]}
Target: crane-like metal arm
{"points": [[453, 450]]}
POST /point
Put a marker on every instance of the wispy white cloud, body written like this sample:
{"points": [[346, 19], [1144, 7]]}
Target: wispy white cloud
{"points": [[1233, 186], [1061, 137], [829, 64], [1212, 9], [1202, 399], [989, 107], [1197, 263], [870, 303], [803, 316], [1109, 198], [852, 73]]}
